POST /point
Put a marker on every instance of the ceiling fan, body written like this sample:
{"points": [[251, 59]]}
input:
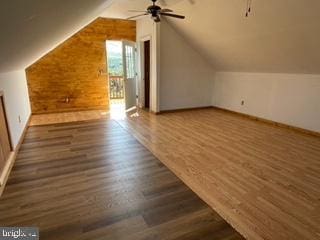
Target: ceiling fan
{"points": [[156, 11]]}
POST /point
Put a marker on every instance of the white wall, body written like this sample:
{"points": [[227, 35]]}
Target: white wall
{"points": [[292, 99], [148, 30], [14, 86], [185, 77]]}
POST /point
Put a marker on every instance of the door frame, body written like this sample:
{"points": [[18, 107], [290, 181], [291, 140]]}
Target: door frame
{"points": [[155, 75], [2, 101], [141, 71], [144, 74]]}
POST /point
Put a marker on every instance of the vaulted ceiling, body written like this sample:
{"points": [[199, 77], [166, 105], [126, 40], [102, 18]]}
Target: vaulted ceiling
{"points": [[29, 29], [279, 35], [121, 8]]}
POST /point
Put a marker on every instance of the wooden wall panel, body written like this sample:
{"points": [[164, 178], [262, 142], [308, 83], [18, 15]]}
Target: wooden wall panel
{"points": [[67, 78]]}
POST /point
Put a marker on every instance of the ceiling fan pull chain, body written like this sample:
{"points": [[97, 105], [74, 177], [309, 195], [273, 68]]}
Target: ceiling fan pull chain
{"points": [[249, 6]]}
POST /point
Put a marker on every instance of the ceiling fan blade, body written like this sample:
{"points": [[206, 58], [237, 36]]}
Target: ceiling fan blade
{"points": [[135, 11], [172, 15], [166, 10], [140, 15]]}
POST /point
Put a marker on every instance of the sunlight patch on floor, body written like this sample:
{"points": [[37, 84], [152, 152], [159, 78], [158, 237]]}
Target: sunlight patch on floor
{"points": [[117, 109], [65, 117]]}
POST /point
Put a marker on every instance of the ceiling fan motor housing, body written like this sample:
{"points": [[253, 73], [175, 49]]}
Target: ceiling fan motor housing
{"points": [[154, 10]]}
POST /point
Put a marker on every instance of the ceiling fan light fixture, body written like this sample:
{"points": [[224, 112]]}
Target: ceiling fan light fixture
{"points": [[156, 19]]}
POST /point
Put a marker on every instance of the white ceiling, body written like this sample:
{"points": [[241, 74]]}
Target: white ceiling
{"points": [[120, 8], [31, 28], [279, 36]]}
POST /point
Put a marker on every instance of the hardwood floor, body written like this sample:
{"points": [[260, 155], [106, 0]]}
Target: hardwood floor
{"points": [[117, 110], [93, 180], [54, 118], [263, 179]]}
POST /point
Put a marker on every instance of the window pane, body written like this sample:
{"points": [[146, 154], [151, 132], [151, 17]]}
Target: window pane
{"points": [[129, 61]]}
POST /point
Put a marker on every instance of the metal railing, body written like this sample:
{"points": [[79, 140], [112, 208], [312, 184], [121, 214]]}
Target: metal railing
{"points": [[116, 87]]}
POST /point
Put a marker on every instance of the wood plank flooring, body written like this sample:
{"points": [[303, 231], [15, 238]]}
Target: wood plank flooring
{"points": [[94, 180], [65, 117], [263, 179]]}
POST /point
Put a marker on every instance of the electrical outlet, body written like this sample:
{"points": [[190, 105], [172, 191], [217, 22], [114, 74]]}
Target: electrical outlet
{"points": [[242, 103]]}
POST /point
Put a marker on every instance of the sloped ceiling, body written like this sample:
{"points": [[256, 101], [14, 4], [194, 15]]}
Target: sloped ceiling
{"points": [[29, 29], [120, 8], [279, 36]]}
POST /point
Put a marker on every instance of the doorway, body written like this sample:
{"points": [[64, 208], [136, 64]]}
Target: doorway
{"points": [[5, 143], [147, 74], [122, 76]]}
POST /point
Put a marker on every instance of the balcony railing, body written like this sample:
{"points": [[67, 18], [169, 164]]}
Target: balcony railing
{"points": [[116, 87]]}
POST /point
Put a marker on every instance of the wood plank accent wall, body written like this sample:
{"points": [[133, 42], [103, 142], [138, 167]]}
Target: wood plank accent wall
{"points": [[68, 78]]}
